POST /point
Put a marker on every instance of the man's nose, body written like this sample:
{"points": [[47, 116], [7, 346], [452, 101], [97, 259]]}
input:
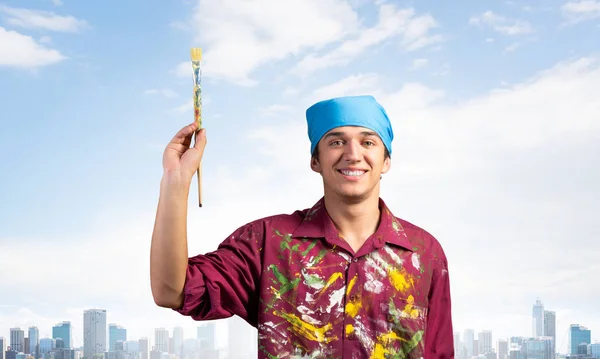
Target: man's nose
{"points": [[352, 151]]}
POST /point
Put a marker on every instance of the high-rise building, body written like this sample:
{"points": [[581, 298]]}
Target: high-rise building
{"points": [[17, 339], [161, 340], [34, 342], [47, 345], [115, 333], [206, 335], [484, 342], [578, 334], [469, 342], [594, 349], [539, 347], [538, 319], [63, 331], [550, 329], [502, 348], [178, 341], [144, 347], [94, 332], [2, 347]]}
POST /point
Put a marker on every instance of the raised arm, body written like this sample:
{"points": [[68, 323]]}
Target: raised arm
{"points": [[168, 250]]}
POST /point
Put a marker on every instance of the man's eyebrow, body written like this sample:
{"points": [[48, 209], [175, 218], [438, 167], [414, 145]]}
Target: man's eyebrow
{"points": [[342, 133]]}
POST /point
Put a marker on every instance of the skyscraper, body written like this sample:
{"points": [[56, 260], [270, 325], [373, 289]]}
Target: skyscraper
{"points": [[484, 342], [538, 319], [17, 339], [161, 340], [2, 347], [63, 331], [178, 341], [94, 332], [34, 342], [144, 347], [206, 336], [578, 334], [469, 342], [115, 333], [502, 349], [550, 329]]}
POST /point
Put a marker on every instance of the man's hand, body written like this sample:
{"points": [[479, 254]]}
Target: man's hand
{"points": [[180, 161]]}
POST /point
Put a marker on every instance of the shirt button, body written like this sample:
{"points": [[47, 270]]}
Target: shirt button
{"points": [[352, 298], [351, 336], [390, 318]]}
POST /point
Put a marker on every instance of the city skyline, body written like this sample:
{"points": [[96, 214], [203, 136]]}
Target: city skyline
{"points": [[493, 104], [223, 342]]}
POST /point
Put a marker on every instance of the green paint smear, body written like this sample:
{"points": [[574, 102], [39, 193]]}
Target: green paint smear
{"points": [[413, 342], [311, 246], [319, 257], [286, 284]]}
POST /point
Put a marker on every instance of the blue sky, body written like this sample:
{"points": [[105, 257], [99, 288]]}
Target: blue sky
{"points": [[493, 106]]}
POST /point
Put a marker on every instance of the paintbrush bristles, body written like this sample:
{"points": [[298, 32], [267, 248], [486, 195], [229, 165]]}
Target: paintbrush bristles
{"points": [[196, 54]]}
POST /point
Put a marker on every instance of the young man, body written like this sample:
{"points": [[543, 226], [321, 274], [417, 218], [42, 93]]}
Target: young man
{"points": [[342, 279]]}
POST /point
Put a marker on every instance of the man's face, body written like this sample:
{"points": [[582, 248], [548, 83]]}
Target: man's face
{"points": [[351, 160]]}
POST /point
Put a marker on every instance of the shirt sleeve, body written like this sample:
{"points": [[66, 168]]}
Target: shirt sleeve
{"points": [[439, 337], [224, 282]]}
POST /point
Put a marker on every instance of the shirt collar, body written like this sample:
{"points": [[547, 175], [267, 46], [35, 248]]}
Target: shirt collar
{"points": [[318, 224]]}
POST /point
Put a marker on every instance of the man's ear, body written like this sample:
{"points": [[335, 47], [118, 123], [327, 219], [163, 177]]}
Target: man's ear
{"points": [[314, 164], [387, 163]]}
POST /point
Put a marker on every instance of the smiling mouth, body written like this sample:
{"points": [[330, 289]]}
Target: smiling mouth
{"points": [[352, 173]]}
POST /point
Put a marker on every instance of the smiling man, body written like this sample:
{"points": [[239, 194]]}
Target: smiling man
{"points": [[344, 278]]}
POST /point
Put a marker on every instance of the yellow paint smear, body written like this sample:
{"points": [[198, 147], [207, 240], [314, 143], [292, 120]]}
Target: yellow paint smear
{"points": [[307, 330], [351, 284], [352, 308], [335, 276], [349, 328], [408, 309], [399, 280], [380, 351]]}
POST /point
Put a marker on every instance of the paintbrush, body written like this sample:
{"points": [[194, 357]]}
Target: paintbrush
{"points": [[196, 56]]}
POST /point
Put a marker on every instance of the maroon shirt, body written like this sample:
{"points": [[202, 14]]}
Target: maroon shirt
{"points": [[310, 296]]}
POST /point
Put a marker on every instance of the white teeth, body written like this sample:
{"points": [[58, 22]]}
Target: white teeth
{"points": [[352, 173]]}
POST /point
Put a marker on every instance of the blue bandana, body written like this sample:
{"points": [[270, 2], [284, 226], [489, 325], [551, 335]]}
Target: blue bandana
{"points": [[361, 111]]}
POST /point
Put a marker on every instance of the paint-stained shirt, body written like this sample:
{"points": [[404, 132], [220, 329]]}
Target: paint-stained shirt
{"points": [[294, 278]]}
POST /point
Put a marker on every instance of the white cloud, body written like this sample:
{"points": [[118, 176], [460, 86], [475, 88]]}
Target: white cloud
{"points": [[352, 85], [57, 3], [22, 51], [502, 24], [419, 63], [37, 19], [413, 30], [238, 36], [577, 11]]}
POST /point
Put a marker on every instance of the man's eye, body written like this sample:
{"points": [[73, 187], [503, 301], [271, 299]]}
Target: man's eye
{"points": [[335, 143]]}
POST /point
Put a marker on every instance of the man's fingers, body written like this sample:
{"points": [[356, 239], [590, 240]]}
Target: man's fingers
{"points": [[184, 134], [200, 140]]}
